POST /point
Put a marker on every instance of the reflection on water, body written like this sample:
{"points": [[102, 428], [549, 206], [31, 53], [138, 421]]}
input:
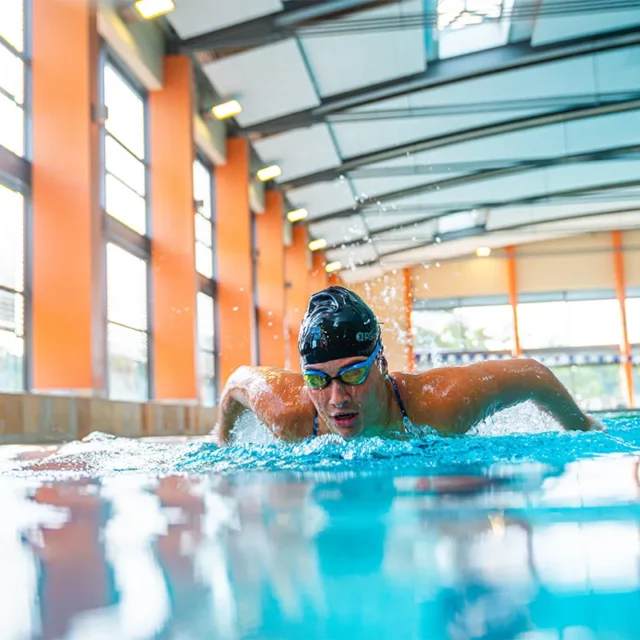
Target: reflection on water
{"points": [[529, 551]]}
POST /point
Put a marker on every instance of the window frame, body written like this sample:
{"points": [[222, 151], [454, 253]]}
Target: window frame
{"points": [[15, 175], [115, 231], [209, 286]]}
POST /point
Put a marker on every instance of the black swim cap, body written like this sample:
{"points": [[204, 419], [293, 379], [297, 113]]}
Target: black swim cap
{"points": [[337, 324]]}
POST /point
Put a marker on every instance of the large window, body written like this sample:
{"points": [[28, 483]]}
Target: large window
{"points": [[204, 235], [562, 324], [206, 345], [471, 329], [124, 151], [12, 76], [11, 290], [127, 333], [127, 252], [202, 191]]}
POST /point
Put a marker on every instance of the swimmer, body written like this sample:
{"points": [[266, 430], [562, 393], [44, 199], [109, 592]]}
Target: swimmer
{"points": [[345, 387]]}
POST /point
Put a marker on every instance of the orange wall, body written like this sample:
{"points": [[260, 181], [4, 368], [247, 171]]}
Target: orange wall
{"points": [[235, 278], [271, 293], [67, 248], [297, 277], [172, 222], [318, 279]]}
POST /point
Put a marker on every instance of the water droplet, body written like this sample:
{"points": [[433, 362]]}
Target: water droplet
{"points": [[269, 324], [241, 289], [437, 264], [235, 308]]}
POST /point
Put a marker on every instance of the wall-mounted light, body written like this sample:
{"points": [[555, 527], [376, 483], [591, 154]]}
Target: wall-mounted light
{"points": [[296, 215], [332, 267], [150, 9], [483, 252], [227, 109], [269, 173], [316, 245]]}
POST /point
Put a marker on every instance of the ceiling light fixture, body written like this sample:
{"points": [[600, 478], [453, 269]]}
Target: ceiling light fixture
{"points": [[296, 215], [483, 252], [333, 267], [227, 109], [316, 245], [150, 9], [269, 173]]}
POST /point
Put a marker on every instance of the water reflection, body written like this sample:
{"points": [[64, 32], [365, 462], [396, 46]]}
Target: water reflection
{"points": [[506, 553]]}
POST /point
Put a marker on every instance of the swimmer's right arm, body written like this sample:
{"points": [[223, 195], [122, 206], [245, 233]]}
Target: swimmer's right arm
{"points": [[234, 402], [273, 395]]}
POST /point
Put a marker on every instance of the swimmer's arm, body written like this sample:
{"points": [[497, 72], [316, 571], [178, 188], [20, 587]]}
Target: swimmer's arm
{"points": [[273, 395], [467, 395], [235, 400]]}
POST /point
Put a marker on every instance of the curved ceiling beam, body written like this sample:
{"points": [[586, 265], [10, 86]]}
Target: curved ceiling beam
{"points": [[441, 73], [274, 27], [476, 133], [424, 245], [567, 193], [617, 153]]}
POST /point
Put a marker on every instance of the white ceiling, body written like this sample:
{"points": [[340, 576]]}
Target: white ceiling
{"points": [[459, 145]]}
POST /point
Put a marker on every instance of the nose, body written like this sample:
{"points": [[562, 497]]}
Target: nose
{"points": [[339, 397]]}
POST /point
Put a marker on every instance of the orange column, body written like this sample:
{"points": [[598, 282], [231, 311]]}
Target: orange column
{"points": [[408, 307], [334, 280], [620, 280], [318, 276], [67, 290], [271, 293], [235, 274], [512, 283], [172, 222], [297, 278]]}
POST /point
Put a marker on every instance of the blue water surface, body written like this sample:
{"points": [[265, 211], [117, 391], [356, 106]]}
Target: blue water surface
{"points": [[492, 536]]}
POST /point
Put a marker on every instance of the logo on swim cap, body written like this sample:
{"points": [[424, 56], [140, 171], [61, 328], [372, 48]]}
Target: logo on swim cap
{"points": [[338, 324]]}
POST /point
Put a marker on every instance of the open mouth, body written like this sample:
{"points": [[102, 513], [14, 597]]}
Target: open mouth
{"points": [[345, 419]]}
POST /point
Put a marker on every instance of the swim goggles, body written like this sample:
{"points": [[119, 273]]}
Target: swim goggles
{"points": [[352, 375]]}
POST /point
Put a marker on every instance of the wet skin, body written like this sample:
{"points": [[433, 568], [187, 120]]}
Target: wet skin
{"points": [[450, 400]]}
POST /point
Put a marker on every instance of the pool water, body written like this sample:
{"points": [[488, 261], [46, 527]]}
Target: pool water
{"points": [[493, 536]]}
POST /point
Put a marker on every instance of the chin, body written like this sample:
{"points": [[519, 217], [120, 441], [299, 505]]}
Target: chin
{"points": [[348, 433]]}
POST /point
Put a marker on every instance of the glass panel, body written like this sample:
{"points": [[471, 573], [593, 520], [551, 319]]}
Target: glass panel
{"points": [[126, 288], [595, 387], [205, 322], [125, 166], [202, 188], [632, 307], [126, 112], [124, 205], [204, 260], [11, 361], [128, 374], [569, 324], [11, 126], [11, 239], [204, 231], [12, 22], [207, 379], [11, 73], [12, 312], [486, 328]]}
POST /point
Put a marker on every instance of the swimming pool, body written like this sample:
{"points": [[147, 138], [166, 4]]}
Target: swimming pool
{"points": [[529, 536]]}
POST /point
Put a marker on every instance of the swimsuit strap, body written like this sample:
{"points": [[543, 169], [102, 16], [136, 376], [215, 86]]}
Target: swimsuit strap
{"points": [[405, 417], [315, 425]]}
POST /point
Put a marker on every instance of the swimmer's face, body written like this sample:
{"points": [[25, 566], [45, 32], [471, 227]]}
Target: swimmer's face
{"points": [[348, 410]]}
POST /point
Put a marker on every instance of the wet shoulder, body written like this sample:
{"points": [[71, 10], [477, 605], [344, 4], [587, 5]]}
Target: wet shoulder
{"points": [[284, 402], [432, 398]]}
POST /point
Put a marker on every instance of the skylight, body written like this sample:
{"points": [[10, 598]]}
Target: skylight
{"points": [[457, 14]]}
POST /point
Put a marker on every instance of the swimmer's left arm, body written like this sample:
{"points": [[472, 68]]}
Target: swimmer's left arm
{"points": [[464, 396]]}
